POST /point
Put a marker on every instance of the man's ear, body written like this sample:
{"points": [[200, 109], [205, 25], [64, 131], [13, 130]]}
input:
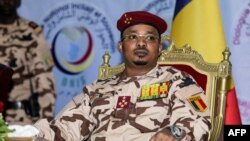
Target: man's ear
{"points": [[120, 46]]}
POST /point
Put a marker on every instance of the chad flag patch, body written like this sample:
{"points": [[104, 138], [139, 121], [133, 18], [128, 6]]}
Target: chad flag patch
{"points": [[197, 103]]}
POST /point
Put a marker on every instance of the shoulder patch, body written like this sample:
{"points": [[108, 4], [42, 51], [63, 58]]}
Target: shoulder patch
{"points": [[36, 27], [48, 60], [197, 103]]}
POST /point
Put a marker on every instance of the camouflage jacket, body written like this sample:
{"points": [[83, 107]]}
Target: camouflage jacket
{"points": [[133, 109], [24, 49]]}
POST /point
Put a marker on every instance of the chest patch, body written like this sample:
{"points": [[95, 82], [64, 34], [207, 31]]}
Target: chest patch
{"points": [[154, 91], [123, 102]]}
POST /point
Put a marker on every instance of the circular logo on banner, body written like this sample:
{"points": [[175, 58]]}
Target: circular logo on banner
{"points": [[79, 34], [78, 49]]}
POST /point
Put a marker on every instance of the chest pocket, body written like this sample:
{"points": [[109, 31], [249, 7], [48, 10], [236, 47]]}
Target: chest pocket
{"points": [[151, 115], [102, 106]]}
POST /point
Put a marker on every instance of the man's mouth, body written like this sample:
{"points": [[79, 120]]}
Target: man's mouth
{"points": [[141, 52]]}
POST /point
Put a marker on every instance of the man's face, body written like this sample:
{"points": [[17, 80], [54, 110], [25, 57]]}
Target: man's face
{"points": [[9, 7], [140, 45]]}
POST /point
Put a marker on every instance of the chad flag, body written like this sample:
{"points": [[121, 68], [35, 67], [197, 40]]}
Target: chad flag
{"points": [[198, 23]]}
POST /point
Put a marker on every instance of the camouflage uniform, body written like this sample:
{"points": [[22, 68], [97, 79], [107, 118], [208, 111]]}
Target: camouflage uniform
{"points": [[111, 110], [24, 49]]}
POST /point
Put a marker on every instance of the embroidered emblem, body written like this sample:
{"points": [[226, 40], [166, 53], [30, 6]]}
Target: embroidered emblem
{"points": [[127, 20], [154, 91], [197, 103], [48, 60], [123, 102]]}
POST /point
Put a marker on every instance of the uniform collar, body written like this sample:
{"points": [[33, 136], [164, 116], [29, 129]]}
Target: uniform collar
{"points": [[153, 73]]}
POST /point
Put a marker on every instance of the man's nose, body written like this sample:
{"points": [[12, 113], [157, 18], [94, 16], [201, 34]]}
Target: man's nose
{"points": [[141, 42]]}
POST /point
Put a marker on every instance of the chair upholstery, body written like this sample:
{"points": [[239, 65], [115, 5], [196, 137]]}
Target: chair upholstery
{"points": [[212, 77]]}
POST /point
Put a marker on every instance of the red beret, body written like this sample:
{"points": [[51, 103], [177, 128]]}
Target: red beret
{"points": [[136, 17]]}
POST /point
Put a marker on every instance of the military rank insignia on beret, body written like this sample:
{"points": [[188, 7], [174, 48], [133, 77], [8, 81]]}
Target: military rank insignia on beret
{"points": [[144, 17], [197, 103]]}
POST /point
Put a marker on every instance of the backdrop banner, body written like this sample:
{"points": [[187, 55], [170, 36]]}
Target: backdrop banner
{"points": [[236, 18]]}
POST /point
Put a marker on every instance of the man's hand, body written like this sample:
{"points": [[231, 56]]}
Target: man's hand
{"points": [[163, 135]]}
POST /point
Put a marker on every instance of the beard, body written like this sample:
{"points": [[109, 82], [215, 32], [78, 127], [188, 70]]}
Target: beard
{"points": [[140, 53], [140, 62]]}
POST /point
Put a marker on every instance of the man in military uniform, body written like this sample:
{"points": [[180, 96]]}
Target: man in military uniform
{"points": [[24, 49], [145, 102]]}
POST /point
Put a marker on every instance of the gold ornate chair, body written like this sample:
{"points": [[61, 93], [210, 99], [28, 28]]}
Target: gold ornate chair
{"points": [[212, 77]]}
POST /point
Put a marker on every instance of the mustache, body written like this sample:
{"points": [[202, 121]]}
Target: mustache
{"points": [[141, 50]]}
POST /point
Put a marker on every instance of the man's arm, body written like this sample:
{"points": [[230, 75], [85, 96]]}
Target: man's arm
{"points": [[190, 111], [43, 80], [73, 123]]}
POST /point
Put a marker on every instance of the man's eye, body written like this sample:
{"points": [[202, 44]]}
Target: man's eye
{"points": [[150, 38], [132, 37]]}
